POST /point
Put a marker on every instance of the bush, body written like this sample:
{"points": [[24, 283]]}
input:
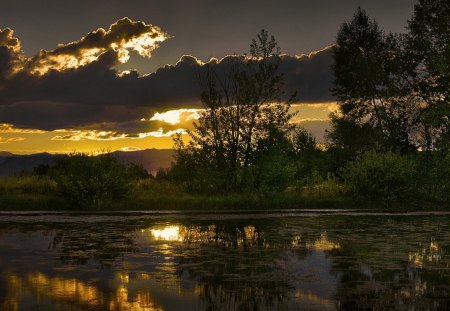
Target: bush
{"points": [[15, 185], [326, 188], [274, 173], [94, 181], [437, 179], [385, 177], [156, 187]]}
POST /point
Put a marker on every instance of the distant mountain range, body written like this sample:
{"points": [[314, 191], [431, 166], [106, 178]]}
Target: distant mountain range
{"points": [[150, 159]]}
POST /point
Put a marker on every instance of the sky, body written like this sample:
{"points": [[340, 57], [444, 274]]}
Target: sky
{"points": [[88, 75]]}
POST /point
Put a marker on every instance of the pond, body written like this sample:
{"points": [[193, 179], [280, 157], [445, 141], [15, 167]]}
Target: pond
{"points": [[224, 261]]}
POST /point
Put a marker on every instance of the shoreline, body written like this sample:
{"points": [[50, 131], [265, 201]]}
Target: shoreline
{"points": [[281, 212]]}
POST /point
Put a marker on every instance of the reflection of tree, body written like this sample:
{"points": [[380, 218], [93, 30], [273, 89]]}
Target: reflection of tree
{"points": [[381, 280], [237, 264], [81, 242], [235, 268], [395, 290]]}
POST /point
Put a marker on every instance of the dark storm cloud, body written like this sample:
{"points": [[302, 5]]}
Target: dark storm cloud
{"points": [[309, 75], [95, 93]]}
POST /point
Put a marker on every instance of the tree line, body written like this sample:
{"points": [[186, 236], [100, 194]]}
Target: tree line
{"points": [[389, 138], [388, 142]]}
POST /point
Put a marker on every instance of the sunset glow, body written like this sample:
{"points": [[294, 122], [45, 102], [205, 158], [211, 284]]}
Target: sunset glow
{"points": [[161, 127], [171, 233], [177, 116]]}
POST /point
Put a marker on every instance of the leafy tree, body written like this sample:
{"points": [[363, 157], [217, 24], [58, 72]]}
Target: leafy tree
{"points": [[386, 177], [435, 176], [272, 168], [352, 137], [302, 141], [94, 181], [243, 110], [370, 87], [427, 55]]}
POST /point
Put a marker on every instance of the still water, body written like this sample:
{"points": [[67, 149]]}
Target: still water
{"points": [[240, 261]]}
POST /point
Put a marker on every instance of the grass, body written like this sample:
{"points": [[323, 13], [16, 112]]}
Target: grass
{"points": [[33, 202], [32, 193], [18, 185], [150, 194]]}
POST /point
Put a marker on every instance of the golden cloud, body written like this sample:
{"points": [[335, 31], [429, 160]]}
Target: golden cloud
{"points": [[122, 37], [9, 128], [160, 133], [78, 135], [10, 140], [130, 149], [177, 116], [11, 52], [75, 135], [317, 112]]}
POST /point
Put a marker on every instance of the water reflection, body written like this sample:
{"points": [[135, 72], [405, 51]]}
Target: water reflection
{"points": [[321, 263], [73, 294], [169, 233], [427, 254], [323, 244]]}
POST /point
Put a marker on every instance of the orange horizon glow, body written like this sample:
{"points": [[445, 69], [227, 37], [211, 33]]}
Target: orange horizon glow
{"points": [[313, 117]]}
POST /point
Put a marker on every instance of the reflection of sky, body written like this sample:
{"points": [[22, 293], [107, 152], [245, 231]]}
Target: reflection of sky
{"points": [[173, 264]]}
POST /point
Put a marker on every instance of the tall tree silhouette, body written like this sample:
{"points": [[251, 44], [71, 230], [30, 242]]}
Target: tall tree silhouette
{"points": [[242, 108], [370, 88], [427, 47]]}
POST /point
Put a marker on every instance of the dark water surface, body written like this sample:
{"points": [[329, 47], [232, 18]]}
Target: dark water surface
{"points": [[200, 261]]}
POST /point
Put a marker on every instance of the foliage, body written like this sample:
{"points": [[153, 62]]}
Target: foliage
{"points": [[427, 55], [388, 142], [27, 185], [348, 135], [393, 94], [385, 177], [243, 110], [94, 181], [435, 171], [324, 188], [302, 141], [373, 95]]}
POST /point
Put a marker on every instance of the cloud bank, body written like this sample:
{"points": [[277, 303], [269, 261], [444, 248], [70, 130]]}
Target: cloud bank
{"points": [[77, 85]]}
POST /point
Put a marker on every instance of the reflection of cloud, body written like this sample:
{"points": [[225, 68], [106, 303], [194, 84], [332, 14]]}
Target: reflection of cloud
{"points": [[323, 244], [310, 298], [193, 234], [250, 236], [170, 233], [77, 293], [428, 254]]}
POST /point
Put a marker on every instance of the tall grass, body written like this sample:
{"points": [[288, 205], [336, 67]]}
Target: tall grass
{"points": [[16, 185]]}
